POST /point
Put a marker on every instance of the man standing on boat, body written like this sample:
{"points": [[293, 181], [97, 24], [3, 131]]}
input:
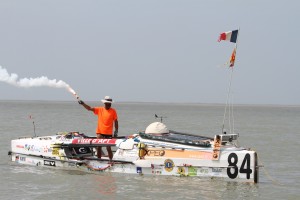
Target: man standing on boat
{"points": [[107, 118]]}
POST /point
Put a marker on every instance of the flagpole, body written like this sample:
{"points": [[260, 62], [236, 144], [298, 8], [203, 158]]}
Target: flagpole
{"points": [[237, 39], [227, 101], [228, 95]]}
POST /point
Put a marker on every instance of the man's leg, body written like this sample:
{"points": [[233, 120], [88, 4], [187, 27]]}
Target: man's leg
{"points": [[99, 149], [110, 154]]}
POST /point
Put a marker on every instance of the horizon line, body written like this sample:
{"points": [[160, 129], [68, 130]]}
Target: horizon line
{"points": [[158, 102]]}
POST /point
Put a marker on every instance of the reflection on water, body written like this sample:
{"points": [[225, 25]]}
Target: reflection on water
{"points": [[172, 187], [240, 190], [105, 184], [18, 168]]}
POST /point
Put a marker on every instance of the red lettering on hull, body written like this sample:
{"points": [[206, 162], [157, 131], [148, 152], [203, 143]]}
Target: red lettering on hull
{"points": [[94, 141]]}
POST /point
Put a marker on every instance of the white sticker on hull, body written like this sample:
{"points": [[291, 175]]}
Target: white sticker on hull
{"points": [[49, 163]]}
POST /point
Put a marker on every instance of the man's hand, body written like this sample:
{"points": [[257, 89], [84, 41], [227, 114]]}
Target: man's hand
{"points": [[116, 133], [80, 102]]}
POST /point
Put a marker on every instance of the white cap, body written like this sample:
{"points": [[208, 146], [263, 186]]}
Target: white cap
{"points": [[107, 99], [157, 127]]}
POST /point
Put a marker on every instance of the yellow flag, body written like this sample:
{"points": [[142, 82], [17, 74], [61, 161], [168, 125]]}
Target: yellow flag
{"points": [[232, 58]]}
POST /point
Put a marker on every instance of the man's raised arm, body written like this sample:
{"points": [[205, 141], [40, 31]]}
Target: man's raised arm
{"points": [[89, 108]]}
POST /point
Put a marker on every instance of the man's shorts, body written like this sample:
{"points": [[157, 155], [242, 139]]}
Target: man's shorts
{"points": [[99, 135]]}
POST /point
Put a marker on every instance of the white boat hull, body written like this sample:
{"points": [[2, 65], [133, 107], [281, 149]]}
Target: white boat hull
{"points": [[161, 158]]}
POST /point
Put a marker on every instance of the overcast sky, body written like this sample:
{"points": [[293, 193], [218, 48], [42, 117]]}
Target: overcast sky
{"points": [[153, 51]]}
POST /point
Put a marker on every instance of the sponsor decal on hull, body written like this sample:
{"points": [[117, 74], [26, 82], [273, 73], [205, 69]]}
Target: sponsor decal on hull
{"points": [[139, 170], [94, 141], [217, 147], [192, 171], [169, 165], [49, 163], [175, 153], [181, 171]]}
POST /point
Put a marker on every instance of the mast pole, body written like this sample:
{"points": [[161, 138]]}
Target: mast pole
{"points": [[229, 92]]}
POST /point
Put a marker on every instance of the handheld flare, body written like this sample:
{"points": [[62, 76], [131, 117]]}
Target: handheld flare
{"points": [[73, 92]]}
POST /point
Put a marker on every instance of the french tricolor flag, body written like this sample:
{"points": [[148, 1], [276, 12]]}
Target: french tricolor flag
{"points": [[229, 36]]}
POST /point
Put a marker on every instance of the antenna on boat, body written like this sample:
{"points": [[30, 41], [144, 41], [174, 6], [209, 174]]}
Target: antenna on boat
{"points": [[161, 117], [30, 117]]}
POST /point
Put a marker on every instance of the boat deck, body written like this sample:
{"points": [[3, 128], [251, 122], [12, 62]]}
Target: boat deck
{"points": [[178, 137]]}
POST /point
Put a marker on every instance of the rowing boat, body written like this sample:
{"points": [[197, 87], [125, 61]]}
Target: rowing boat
{"points": [[163, 152]]}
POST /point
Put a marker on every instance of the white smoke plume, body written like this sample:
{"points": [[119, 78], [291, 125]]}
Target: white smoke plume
{"points": [[12, 79]]}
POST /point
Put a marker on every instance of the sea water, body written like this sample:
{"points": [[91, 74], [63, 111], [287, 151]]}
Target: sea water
{"points": [[273, 131]]}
